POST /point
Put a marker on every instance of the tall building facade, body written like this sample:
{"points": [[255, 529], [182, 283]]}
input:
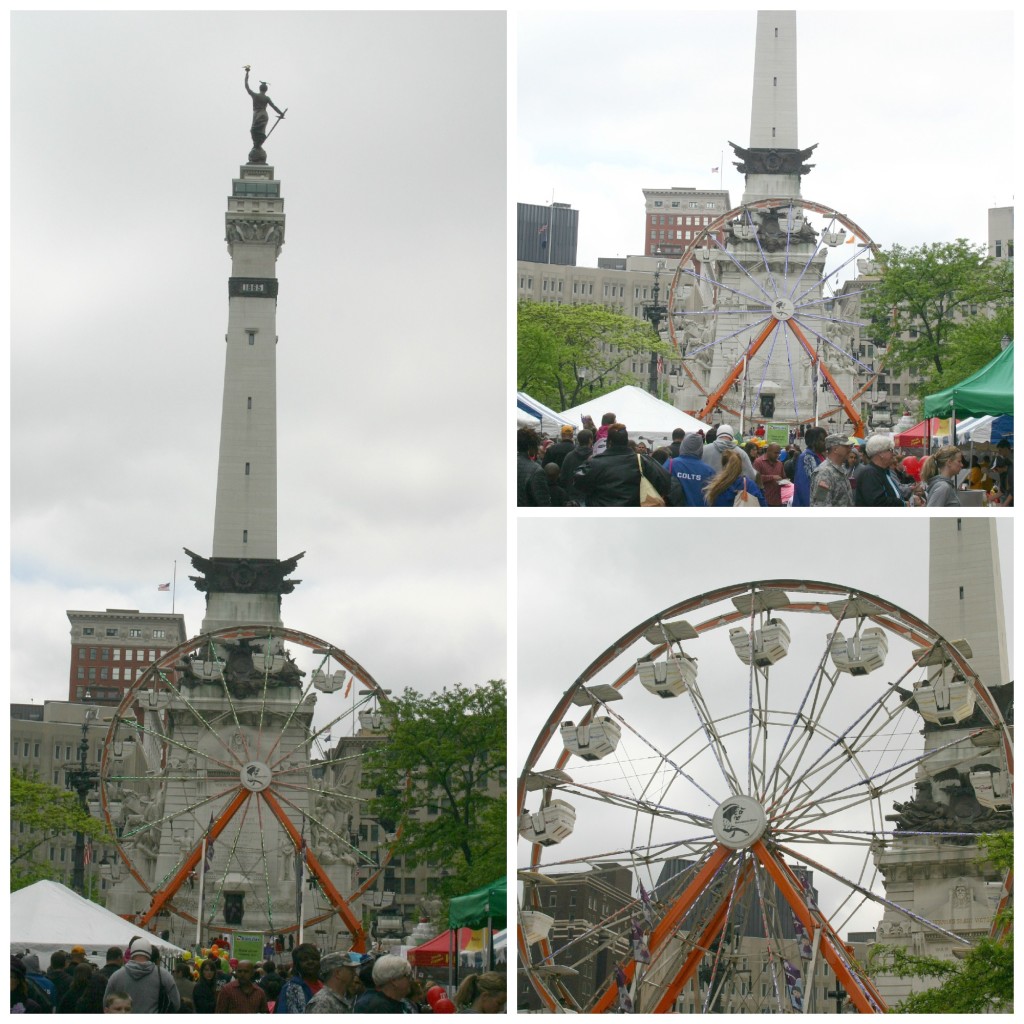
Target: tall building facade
{"points": [[674, 216], [547, 234], [111, 649], [1000, 232]]}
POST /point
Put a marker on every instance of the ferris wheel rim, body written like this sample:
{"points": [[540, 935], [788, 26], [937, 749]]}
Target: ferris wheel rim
{"points": [[886, 614], [154, 672]]}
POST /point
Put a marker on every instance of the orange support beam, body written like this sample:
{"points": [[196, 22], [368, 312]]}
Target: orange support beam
{"points": [[719, 393], [671, 921], [858, 423], [861, 991], [711, 932], [164, 895], [356, 929]]}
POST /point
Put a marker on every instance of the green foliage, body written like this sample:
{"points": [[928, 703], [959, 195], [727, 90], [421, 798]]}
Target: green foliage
{"points": [[933, 289], [561, 359], [448, 746], [46, 812], [982, 982]]}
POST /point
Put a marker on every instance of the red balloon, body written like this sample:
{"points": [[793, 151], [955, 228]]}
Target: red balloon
{"points": [[434, 993], [444, 1005]]}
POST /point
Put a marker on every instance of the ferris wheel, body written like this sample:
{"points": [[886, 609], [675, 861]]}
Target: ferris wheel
{"points": [[229, 800], [758, 757], [764, 313]]}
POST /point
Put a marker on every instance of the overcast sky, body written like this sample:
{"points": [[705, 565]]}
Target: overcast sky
{"points": [[913, 115], [127, 129]]}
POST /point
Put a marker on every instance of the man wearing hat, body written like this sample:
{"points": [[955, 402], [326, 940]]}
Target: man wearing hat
{"points": [[338, 973], [875, 487], [829, 483], [558, 451], [392, 976], [150, 986]]}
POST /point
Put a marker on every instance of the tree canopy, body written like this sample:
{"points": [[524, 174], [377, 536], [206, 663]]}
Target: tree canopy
{"points": [[957, 300], [982, 982], [46, 812], [432, 776], [562, 358]]}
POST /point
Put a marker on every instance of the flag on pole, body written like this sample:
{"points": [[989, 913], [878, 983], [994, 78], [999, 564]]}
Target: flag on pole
{"points": [[348, 687], [208, 858], [714, 170], [300, 863], [163, 586], [625, 1003], [647, 908], [87, 853]]}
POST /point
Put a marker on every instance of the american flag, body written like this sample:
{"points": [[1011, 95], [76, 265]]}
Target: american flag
{"points": [[87, 854], [300, 861], [208, 860], [163, 586]]}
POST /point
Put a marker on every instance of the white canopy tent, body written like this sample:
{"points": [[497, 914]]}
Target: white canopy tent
{"points": [[531, 413], [48, 916], [645, 416]]}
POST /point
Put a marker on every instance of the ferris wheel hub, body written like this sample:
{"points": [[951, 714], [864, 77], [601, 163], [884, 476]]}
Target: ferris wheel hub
{"points": [[255, 776], [739, 822], [783, 308]]}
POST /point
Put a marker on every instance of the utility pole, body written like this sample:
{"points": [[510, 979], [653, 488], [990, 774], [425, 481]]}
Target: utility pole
{"points": [[655, 312], [80, 780]]}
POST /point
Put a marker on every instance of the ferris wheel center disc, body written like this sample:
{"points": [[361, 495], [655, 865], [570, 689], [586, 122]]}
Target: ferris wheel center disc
{"points": [[255, 776], [739, 822], [783, 309]]}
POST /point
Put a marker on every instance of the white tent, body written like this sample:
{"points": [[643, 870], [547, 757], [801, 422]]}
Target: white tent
{"points": [[645, 416], [531, 413], [48, 916]]}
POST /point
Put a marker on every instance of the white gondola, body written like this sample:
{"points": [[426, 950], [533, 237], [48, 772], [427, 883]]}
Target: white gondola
{"points": [[770, 643], [207, 670], [944, 701], [153, 700], [744, 232], [373, 721], [536, 926], [551, 824], [860, 654], [328, 684], [992, 788], [593, 741], [668, 678], [833, 238]]}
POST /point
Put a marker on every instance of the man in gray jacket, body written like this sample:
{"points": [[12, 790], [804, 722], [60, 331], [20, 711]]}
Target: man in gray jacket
{"points": [[143, 980], [726, 441]]}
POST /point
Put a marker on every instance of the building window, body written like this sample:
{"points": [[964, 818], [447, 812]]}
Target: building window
{"points": [[248, 402], [247, 469], [245, 536], [252, 337], [961, 593], [81, 673], [105, 653], [112, 632], [103, 673], [775, 80], [657, 202], [92, 653], [135, 632], [92, 673], [116, 674], [152, 655], [159, 634], [999, 247], [87, 631]]}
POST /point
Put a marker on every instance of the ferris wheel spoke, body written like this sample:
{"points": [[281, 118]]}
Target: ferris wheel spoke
{"points": [[763, 888], [219, 889], [714, 741], [728, 337], [132, 726], [766, 299], [159, 823], [864, 247], [218, 660], [197, 714], [312, 737], [325, 829]]}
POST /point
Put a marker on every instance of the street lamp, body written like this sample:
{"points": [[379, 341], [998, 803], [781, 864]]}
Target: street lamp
{"points": [[655, 312], [81, 780]]}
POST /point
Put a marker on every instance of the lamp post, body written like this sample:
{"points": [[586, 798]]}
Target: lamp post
{"points": [[81, 780], [655, 312]]}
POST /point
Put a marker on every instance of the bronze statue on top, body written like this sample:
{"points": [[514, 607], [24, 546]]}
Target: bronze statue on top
{"points": [[258, 131]]}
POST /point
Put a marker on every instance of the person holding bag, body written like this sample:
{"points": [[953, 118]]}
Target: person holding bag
{"points": [[620, 477]]}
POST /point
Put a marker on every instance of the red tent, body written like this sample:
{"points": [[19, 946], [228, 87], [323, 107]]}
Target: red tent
{"points": [[916, 436], [435, 952]]}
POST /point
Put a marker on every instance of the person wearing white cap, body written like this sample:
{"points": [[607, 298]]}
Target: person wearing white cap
{"points": [[725, 441], [150, 987], [392, 978]]}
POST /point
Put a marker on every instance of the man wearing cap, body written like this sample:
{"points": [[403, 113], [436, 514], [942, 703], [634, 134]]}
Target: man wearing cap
{"points": [[392, 976], [829, 483], [338, 973], [558, 451], [725, 440], [147, 983], [242, 995], [875, 487]]}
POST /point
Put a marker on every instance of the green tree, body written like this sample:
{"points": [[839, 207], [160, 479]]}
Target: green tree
{"points": [[570, 354], [46, 813], [442, 751], [982, 982], [935, 289]]}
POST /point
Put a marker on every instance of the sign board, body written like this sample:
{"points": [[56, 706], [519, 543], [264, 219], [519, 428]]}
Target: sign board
{"points": [[777, 433], [247, 946]]}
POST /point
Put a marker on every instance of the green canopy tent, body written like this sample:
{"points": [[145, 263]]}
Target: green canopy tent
{"points": [[486, 907], [988, 392]]}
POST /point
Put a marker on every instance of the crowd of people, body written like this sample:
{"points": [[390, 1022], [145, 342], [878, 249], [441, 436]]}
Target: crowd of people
{"points": [[601, 466], [134, 981]]}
